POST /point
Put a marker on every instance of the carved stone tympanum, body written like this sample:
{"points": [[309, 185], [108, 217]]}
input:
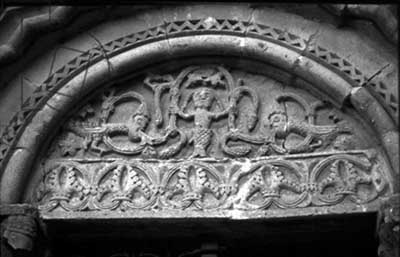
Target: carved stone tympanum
{"points": [[208, 137]]}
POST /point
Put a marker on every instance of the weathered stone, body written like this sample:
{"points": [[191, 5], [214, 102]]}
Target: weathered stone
{"points": [[8, 189], [120, 65], [213, 116], [19, 229], [389, 227], [371, 109], [149, 115]]}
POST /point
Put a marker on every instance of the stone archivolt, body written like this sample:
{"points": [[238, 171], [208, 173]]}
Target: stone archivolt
{"points": [[226, 144], [179, 28]]}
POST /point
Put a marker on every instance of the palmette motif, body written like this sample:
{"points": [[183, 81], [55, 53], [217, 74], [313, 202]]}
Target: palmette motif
{"points": [[320, 180]]}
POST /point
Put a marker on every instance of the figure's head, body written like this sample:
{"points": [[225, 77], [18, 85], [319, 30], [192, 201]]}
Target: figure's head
{"points": [[203, 98], [140, 120], [277, 119], [343, 143]]}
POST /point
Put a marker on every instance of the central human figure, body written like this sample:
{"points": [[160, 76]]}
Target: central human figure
{"points": [[203, 99]]}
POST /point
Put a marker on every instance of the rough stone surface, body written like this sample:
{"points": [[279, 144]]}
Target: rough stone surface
{"points": [[201, 138], [210, 112]]}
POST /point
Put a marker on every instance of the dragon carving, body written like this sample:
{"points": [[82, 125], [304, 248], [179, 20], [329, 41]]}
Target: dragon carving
{"points": [[203, 96]]}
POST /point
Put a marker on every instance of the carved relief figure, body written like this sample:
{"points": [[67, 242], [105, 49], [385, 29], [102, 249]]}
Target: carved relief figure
{"points": [[98, 136], [204, 95], [279, 128], [314, 135], [295, 150], [203, 99], [204, 81], [265, 180]]}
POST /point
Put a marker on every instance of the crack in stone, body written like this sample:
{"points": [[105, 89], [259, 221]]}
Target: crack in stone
{"points": [[35, 84], [104, 53], [249, 22], [86, 70], [21, 91], [63, 94], [53, 108], [375, 74], [303, 53], [52, 62], [165, 23], [72, 49]]}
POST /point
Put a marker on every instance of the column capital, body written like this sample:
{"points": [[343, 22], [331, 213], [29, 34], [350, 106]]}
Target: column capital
{"points": [[19, 227]]}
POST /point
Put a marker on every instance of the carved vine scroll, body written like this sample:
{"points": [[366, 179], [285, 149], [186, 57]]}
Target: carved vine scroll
{"points": [[207, 138]]}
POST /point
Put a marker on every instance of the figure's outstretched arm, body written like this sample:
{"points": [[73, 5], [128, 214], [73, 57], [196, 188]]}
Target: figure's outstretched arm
{"points": [[185, 115], [224, 112], [178, 111], [116, 127], [186, 102], [181, 111]]}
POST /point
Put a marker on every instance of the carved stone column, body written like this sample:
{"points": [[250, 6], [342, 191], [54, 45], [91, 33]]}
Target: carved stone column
{"points": [[19, 230], [389, 227]]}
